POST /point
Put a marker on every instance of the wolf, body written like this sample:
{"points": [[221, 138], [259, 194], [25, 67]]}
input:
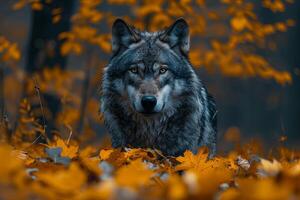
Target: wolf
{"points": [[151, 95]]}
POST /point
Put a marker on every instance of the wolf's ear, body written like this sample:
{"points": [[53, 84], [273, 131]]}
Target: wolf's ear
{"points": [[178, 35], [122, 36]]}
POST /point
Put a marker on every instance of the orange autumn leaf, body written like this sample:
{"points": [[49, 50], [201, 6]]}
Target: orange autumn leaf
{"points": [[232, 134], [105, 153], [19, 4], [189, 160], [176, 187], [37, 6], [134, 175], [71, 47], [130, 2], [261, 189], [239, 23], [268, 168], [135, 153], [201, 162], [104, 190], [68, 150], [294, 169], [66, 181], [12, 167]]}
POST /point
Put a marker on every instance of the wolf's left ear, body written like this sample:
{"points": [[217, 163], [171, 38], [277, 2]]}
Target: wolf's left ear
{"points": [[178, 35], [122, 36]]}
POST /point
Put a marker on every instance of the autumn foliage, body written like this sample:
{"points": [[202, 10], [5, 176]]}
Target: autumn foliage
{"points": [[61, 169], [68, 164]]}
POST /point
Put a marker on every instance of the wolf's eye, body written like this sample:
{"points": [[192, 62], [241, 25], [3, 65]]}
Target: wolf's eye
{"points": [[133, 69], [163, 69]]}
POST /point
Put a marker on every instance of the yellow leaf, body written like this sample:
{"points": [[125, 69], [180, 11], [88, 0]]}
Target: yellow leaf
{"points": [[239, 23], [189, 160], [66, 181], [176, 188], [263, 189], [37, 6], [105, 153], [68, 150], [268, 168], [134, 175]]}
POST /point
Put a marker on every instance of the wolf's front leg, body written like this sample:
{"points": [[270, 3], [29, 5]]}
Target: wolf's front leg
{"points": [[177, 142], [117, 136], [209, 139]]}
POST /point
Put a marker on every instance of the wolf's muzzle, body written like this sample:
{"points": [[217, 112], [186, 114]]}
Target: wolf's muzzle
{"points": [[148, 103]]}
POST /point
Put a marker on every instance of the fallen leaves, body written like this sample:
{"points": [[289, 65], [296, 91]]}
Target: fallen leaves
{"points": [[11, 167], [258, 189], [92, 173], [64, 181]]}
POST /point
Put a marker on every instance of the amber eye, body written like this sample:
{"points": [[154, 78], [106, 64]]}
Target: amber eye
{"points": [[163, 69], [133, 69]]}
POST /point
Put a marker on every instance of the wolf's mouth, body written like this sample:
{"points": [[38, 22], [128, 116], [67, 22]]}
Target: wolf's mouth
{"points": [[152, 113], [149, 114]]}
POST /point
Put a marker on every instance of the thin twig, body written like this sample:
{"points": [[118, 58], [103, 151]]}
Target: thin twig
{"points": [[215, 114], [37, 89], [71, 133], [36, 139]]}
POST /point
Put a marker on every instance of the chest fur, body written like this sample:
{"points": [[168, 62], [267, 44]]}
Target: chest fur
{"points": [[145, 132]]}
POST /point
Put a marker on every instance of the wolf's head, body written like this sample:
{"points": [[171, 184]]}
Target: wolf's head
{"points": [[149, 71]]}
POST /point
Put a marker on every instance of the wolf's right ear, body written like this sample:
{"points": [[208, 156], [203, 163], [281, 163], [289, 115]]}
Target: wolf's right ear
{"points": [[177, 35], [122, 36]]}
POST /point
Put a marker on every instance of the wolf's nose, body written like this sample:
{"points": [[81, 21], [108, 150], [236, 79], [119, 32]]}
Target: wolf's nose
{"points": [[148, 103]]}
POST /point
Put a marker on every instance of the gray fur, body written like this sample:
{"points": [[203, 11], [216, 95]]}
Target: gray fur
{"points": [[184, 117]]}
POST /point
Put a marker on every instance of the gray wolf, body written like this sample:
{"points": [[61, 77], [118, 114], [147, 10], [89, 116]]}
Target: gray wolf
{"points": [[151, 95]]}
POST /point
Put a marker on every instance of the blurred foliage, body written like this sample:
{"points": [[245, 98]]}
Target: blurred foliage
{"points": [[232, 30], [226, 40]]}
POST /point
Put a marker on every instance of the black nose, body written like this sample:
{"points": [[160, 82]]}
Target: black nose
{"points": [[148, 103]]}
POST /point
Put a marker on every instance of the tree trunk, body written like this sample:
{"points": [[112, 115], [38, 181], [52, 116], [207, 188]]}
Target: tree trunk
{"points": [[44, 47]]}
